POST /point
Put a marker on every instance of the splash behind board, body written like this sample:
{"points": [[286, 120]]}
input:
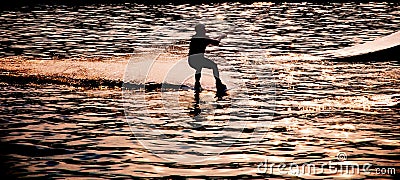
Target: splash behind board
{"points": [[386, 48]]}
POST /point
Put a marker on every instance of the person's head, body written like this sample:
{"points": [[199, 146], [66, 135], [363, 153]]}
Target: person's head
{"points": [[200, 29]]}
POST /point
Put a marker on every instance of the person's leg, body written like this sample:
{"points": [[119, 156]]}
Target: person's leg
{"points": [[198, 62], [197, 76], [207, 63], [195, 63]]}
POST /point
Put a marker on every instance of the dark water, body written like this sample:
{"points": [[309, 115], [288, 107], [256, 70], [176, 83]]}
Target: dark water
{"points": [[107, 30], [284, 107]]}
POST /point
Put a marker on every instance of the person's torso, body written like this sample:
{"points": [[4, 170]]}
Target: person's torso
{"points": [[199, 44]]}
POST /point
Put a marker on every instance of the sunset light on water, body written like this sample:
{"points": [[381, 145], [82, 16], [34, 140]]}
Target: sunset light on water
{"points": [[106, 90]]}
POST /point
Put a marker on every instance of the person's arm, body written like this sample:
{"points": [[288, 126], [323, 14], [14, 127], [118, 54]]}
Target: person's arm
{"points": [[222, 36], [216, 42]]}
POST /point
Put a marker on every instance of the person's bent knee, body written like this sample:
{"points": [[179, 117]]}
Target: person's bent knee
{"points": [[211, 64], [214, 66]]}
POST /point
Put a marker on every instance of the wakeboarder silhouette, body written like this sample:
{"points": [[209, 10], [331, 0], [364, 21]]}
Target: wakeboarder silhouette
{"points": [[197, 61]]}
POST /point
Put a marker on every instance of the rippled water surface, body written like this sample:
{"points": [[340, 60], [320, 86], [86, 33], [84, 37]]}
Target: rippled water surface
{"points": [[67, 31], [286, 105]]}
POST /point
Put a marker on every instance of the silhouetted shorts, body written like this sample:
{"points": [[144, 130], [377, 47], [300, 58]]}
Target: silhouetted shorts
{"points": [[198, 61]]}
